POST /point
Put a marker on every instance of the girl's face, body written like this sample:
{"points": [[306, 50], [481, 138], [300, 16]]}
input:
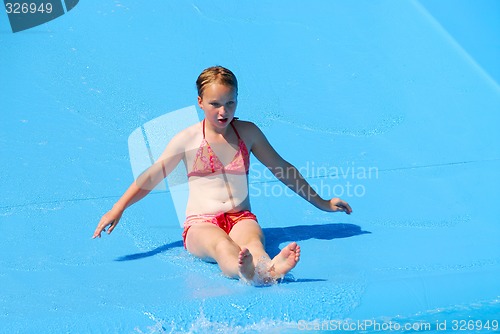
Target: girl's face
{"points": [[219, 104]]}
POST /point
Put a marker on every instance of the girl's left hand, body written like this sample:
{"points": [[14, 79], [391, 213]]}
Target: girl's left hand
{"points": [[338, 205]]}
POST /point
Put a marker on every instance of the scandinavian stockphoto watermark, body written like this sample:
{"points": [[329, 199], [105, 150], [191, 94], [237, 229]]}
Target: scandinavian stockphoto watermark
{"points": [[31, 13], [349, 180], [147, 143]]}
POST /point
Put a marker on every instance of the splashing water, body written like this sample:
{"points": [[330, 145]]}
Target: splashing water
{"points": [[263, 275]]}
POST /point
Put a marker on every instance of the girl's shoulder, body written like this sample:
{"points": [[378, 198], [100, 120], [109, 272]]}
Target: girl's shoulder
{"points": [[187, 137], [249, 132], [191, 130], [245, 126]]}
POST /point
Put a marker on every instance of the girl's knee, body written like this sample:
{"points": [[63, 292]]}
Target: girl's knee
{"points": [[225, 246], [253, 243]]}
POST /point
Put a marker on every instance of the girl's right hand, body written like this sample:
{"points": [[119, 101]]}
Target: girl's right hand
{"points": [[111, 219]]}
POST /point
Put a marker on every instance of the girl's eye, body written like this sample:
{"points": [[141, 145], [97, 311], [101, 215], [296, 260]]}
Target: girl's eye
{"points": [[215, 105], [230, 103]]}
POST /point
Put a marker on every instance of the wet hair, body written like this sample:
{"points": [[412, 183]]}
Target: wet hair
{"points": [[216, 74]]}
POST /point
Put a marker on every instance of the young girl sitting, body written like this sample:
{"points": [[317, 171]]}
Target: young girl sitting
{"points": [[220, 226]]}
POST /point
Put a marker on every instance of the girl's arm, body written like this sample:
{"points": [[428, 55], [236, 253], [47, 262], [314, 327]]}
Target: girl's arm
{"points": [[146, 182], [290, 176]]}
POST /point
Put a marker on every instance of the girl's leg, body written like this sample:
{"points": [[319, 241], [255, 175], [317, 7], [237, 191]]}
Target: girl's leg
{"points": [[207, 241], [248, 233]]}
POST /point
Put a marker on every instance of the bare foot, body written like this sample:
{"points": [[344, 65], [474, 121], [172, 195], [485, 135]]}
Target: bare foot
{"points": [[245, 264], [285, 261]]}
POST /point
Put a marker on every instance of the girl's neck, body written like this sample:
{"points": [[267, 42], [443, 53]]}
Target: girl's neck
{"points": [[216, 131]]}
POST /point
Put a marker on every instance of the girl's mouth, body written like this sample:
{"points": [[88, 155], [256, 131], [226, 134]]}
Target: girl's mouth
{"points": [[222, 120]]}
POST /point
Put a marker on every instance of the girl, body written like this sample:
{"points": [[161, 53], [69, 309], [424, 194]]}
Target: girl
{"points": [[220, 226]]}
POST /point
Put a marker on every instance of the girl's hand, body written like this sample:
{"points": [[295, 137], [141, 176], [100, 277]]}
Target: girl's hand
{"points": [[338, 205], [111, 219]]}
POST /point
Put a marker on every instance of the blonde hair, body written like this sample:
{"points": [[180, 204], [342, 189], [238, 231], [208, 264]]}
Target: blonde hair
{"points": [[216, 74]]}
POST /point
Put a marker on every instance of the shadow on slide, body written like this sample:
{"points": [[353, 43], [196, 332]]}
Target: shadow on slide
{"points": [[276, 236], [152, 252]]}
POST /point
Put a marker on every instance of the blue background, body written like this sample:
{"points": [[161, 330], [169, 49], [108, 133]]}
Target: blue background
{"points": [[409, 88]]}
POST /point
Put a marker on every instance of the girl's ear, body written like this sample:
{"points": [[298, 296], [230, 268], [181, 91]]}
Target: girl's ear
{"points": [[200, 102]]}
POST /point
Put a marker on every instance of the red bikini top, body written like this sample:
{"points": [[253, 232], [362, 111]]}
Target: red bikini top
{"points": [[206, 161]]}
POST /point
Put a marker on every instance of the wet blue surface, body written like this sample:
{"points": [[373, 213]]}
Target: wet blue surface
{"points": [[375, 102]]}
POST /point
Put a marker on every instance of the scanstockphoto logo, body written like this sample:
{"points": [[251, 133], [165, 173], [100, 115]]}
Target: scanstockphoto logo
{"points": [[28, 14]]}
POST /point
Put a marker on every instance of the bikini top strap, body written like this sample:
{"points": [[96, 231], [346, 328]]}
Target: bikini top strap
{"points": [[203, 128], [234, 128]]}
